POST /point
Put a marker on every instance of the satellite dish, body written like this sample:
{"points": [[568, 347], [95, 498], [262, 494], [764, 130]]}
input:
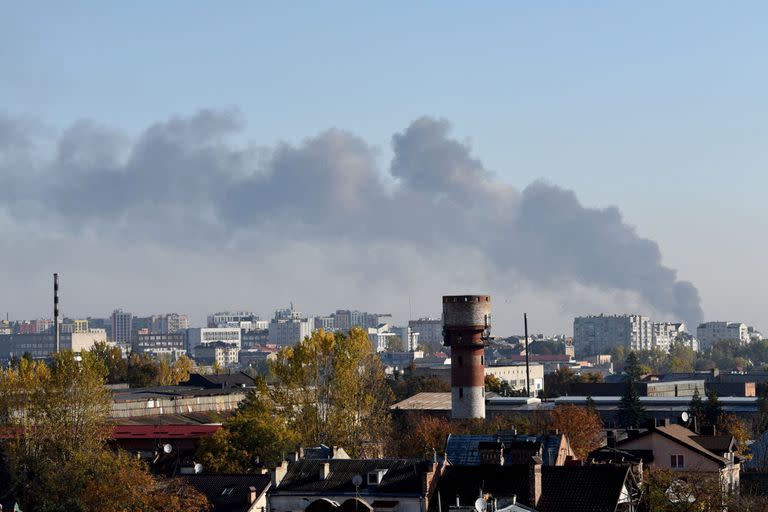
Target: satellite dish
{"points": [[357, 480], [685, 417], [481, 505], [198, 468], [167, 448]]}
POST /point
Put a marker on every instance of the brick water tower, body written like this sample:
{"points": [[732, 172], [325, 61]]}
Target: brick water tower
{"points": [[466, 328]]}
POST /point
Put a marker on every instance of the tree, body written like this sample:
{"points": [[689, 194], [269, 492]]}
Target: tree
{"points": [[493, 383], [697, 410], [632, 366], [257, 434], [171, 374], [732, 425], [631, 412], [557, 382], [113, 360], [143, 371], [583, 427], [334, 386], [57, 458], [395, 344], [421, 435], [712, 409]]}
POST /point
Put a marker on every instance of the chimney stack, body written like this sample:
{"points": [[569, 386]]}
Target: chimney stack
{"points": [[534, 481], [56, 328]]}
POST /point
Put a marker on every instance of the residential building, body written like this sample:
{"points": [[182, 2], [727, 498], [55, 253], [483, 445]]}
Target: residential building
{"points": [[241, 492], [711, 332], [379, 337], [508, 448], [345, 319], [409, 336], [754, 334], [386, 485], [326, 323], [514, 375], [169, 323], [217, 352], [430, 331], [222, 318], [160, 344], [675, 448], [200, 335], [5, 327], [122, 325], [665, 333], [285, 331], [254, 339], [600, 334]]}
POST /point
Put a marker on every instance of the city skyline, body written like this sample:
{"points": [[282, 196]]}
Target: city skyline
{"points": [[159, 181]]}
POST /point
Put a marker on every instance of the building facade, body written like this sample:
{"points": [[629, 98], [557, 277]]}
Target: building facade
{"points": [[712, 332], [160, 344], [217, 352], [289, 331], [222, 318], [600, 334], [200, 335], [122, 325], [430, 330]]}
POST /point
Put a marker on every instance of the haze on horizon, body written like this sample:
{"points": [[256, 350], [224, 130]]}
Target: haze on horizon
{"points": [[196, 160]]}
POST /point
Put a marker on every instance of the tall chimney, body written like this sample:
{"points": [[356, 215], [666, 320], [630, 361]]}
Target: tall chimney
{"points": [[56, 312], [466, 327]]}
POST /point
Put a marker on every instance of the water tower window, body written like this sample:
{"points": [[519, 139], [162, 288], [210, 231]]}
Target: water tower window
{"points": [[461, 392], [461, 361]]}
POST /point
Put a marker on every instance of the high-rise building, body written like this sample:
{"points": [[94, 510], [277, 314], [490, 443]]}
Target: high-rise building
{"points": [[289, 331], [197, 336], [430, 331], [169, 323], [600, 334], [223, 318], [711, 332], [122, 325]]}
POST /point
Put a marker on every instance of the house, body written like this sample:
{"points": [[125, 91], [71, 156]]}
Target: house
{"points": [[513, 448], [532, 486], [349, 485], [673, 447], [233, 492]]}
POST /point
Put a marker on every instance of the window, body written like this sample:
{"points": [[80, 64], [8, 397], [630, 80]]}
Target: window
{"points": [[461, 361], [461, 392], [227, 491], [676, 461]]}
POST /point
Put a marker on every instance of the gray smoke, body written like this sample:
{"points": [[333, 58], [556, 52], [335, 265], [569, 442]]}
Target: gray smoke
{"points": [[185, 182]]}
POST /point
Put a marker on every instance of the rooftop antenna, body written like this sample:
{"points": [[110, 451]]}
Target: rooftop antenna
{"points": [[56, 311], [527, 361]]}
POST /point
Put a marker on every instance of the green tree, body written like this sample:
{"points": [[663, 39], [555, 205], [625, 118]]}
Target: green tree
{"points": [[697, 409], [395, 344], [557, 382], [631, 412], [632, 367], [143, 371], [258, 433], [712, 409], [493, 384], [113, 360], [335, 388]]}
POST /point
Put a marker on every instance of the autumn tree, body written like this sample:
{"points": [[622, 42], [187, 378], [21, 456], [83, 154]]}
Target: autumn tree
{"points": [[420, 435], [335, 387], [732, 425], [583, 427], [492, 383], [171, 374], [143, 371], [112, 359], [57, 458], [258, 433]]}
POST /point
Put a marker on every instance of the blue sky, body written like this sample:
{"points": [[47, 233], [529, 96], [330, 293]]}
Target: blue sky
{"points": [[657, 107]]}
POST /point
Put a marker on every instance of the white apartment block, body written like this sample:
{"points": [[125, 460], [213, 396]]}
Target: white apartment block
{"points": [[169, 323], [409, 336], [222, 318], [711, 332], [430, 330], [200, 335], [599, 334], [289, 331], [223, 354], [666, 333], [379, 336], [515, 376]]}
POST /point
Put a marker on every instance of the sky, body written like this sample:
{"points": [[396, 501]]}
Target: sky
{"points": [[568, 158]]}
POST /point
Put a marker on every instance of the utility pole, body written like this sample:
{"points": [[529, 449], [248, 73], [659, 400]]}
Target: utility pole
{"points": [[527, 362]]}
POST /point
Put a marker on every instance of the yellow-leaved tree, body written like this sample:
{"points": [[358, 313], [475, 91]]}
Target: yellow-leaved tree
{"points": [[333, 391]]}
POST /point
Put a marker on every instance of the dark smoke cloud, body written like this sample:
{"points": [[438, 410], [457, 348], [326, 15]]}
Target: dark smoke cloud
{"points": [[184, 181]]}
